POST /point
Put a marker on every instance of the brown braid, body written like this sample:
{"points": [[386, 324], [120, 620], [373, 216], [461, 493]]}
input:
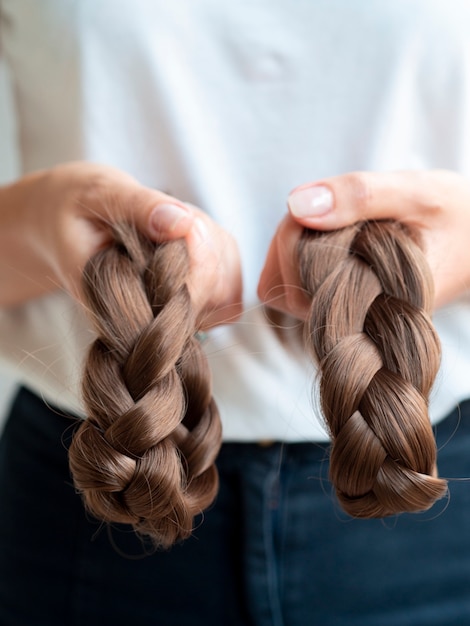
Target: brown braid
{"points": [[145, 455], [378, 354]]}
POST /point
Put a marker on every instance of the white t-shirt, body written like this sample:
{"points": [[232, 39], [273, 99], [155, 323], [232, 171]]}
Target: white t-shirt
{"points": [[229, 106]]}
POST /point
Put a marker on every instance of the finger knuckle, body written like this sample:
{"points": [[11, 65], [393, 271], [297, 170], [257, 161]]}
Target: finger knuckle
{"points": [[433, 205], [94, 189], [361, 190]]}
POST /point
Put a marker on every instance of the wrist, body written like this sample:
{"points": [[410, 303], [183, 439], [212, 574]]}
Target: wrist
{"points": [[24, 270]]}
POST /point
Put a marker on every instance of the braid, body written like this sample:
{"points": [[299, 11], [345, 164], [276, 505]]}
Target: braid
{"points": [[145, 455], [378, 354]]}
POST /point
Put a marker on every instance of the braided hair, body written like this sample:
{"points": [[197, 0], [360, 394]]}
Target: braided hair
{"points": [[370, 330], [145, 455]]}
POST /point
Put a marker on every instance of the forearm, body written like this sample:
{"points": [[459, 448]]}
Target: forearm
{"points": [[24, 272]]}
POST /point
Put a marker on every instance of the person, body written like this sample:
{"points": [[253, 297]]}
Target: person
{"points": [[144, 111]]}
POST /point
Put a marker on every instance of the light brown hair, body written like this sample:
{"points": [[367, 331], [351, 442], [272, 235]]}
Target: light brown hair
{"points": [[378, 353], [145, 455]]}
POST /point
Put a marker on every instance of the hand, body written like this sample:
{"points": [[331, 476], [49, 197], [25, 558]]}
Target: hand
{"points": [[54, 220], [435, 202]]}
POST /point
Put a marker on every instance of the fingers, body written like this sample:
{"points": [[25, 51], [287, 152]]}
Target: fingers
{"points": [[85, 200], [279, 285], [110, 195], [215, 274], [335, 202], [435, 203], [157, 215], [215, 280]]}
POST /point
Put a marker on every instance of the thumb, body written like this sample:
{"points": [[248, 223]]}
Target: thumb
{"points": [[111, 195], [159, 216], [342, 200]]}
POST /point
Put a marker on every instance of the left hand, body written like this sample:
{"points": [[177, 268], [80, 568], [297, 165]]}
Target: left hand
{"points": [[435, 202]]}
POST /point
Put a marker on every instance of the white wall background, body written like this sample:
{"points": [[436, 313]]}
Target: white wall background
{"points": [[8, 166]]}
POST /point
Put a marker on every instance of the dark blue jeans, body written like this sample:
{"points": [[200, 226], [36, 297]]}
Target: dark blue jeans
{"points": [[274, 550]]}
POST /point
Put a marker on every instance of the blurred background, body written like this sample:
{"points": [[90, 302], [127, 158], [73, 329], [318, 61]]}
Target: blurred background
{"points": [[8, 169]]}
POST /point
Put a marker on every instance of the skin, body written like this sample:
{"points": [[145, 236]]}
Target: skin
{"points": [[53, 221], [436, 202]]}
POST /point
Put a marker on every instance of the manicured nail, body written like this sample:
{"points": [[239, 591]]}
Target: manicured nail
{"points": [[166, 217], [311, 201]]}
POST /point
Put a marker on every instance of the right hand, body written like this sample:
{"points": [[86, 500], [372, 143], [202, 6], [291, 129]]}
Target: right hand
{"points": [[53, 221]]}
